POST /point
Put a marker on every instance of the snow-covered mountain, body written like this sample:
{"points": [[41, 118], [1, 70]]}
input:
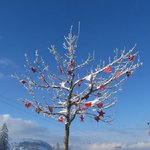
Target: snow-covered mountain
{"points": [[32, 145]]}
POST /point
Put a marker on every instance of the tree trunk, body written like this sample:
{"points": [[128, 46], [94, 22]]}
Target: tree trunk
{"points": [[66, 137]]}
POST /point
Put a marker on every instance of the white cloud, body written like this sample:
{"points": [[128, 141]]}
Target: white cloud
{"points": [[6, 65], [122, 135], [22, 129], [140, 145], [5, 62], [103, 146], [117, 146]]}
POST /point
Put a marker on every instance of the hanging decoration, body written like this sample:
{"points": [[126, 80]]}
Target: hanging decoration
{"points": [[97, 118], [43, 78], [60, 69], [102, 87], [81, 118], [118, 74], [50, 109], [22, 81], [107, 69], [88, 104], [131, 58], [60, 119], [70, 72], [79, 83], [101, 113], [33, 69], [27, 104], [128, 73], [100, 105]]}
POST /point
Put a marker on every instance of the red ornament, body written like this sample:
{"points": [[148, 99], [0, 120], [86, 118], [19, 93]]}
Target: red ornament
{"points": [[43, 78], [50, 109], [118, 73], [100, 105], [81, 118], [97, 118], [102, 87], [70, 72], [33, 69], [107, 69], [101, 113], [128, 73], [60, 119], [27, 105], [60, 69], [22, 81], [88, 104], [79, 83], [131, 57]]}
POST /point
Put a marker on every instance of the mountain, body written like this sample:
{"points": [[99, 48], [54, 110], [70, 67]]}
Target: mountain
{"points": [[32, 145]]}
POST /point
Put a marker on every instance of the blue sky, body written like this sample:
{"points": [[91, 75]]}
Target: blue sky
{"points": [[105, 25]]}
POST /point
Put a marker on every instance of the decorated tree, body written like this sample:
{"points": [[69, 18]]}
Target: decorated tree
{"points": [[68, 92]]}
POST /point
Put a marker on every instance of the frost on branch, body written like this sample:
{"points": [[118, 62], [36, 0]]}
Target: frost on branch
{"points": [[65, 94]]}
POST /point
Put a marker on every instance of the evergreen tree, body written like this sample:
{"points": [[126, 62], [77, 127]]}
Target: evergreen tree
{"points": [[4, 145]]}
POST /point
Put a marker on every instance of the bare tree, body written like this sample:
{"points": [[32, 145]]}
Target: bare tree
{"points": [[69, 93]]}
